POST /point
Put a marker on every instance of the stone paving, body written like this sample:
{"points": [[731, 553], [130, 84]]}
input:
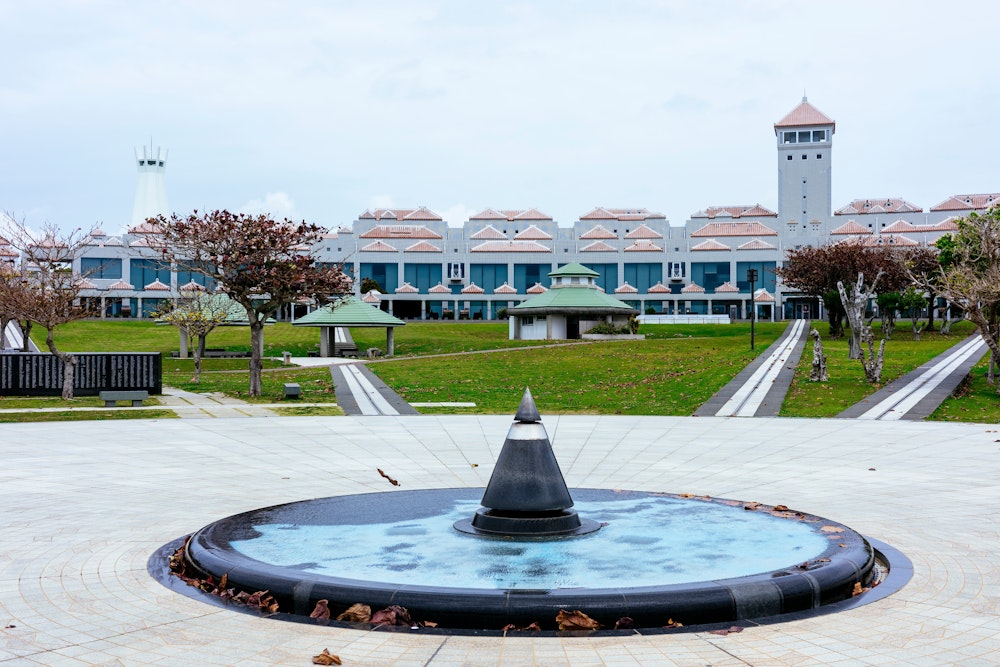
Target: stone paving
{"points": [[85, 504]]}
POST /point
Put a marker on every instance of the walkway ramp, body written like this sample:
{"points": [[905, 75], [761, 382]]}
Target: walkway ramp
{"points": [[360, 392], [760, 388], [920, 392], [12, 338]]}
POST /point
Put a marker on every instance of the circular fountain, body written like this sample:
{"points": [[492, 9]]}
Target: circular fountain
{"points": [[526, 553]]}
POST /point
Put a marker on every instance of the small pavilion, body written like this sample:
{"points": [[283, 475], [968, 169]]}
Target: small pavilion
{"points": [[350, 312], [572, 305]]}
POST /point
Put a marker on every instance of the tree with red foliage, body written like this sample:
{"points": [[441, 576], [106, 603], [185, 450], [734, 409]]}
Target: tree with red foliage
{"points": [[816, 270], [259, 262]]}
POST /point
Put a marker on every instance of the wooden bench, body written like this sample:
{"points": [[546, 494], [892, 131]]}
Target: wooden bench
{"points": [[111, 398], [293, 390]]}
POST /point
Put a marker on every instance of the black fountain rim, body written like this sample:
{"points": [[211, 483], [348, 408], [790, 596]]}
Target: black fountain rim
{"points": [[799, 588]]}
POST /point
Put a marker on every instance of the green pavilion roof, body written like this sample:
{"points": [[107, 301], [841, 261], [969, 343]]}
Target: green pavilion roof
{"points": [[351, 312], [573, 301], [574, 269]]}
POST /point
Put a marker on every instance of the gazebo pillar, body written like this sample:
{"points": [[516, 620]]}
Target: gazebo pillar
{"points": [[390, 341], [324, 341], [183, 353]]}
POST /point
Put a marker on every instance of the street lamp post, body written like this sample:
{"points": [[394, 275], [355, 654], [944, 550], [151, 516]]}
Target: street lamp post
{"points": [[752, 278]]}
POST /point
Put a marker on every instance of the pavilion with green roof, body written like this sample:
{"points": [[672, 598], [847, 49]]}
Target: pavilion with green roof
{"points": [[349, 312], [573, 304]]}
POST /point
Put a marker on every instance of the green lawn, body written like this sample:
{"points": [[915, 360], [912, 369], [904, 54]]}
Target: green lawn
{"points": [[847, 383], [672, 372]]}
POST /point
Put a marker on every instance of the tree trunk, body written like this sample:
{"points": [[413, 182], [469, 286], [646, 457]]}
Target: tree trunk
{"points": [[199, 349], [25, 328], [256, 354], [854, 306], [986, 332], [818, 373], [4, 321], [872, 362], [69, 366], [931, 298]]}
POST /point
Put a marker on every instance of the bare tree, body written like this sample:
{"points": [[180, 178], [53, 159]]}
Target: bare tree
{"points": [[259, 262], [818, 372], [969, 276], [197, 314], [51, 290], [855, 304]]}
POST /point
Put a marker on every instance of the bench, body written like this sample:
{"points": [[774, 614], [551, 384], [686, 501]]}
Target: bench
{"points": [[292, 390], [111, 398]]}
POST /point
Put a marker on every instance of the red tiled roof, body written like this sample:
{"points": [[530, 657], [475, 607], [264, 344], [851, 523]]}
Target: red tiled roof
{"points": [[406, 288], [946, 225], [597, 246], [598, 232], [505, 289], [420, 213], [531, 214], [439, 289], [488, 232], [804, 115], [537, 288], [643, 245], [734, 229], [659, 288], [850, 227], [889, 205], [192, 286], [763, 296], [756, 244], [378, 246], [157, 286], [400, 232], [422, 246], [756, 210], [533, 233], [968, 202], [727, 287], [144, 228], [7, 252], [900, 226], [510, 246], [693, 288], [120, 285], [622, 214], [488, 214], [84, 283], [372, 297], [710, 244], [472, 288], [625, 288], [643, 232]]}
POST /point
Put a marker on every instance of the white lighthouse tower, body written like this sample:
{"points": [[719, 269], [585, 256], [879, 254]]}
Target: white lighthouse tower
{"points": [[151, 188]]}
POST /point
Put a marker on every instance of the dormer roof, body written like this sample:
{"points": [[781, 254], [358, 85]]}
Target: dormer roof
{"points": [[533, 233], [710, 244], [598, 232], [643, 232], [850, 227], [489, 232]]}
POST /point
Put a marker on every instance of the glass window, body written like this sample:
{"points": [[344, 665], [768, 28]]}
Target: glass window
{"points": [[819, 135], [789, 137], [804, 137], [98, 267]]}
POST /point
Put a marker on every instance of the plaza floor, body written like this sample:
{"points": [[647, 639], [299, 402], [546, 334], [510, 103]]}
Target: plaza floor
{"points": [[84, 504]]}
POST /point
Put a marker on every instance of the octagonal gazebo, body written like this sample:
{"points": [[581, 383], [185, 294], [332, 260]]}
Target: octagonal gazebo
{"points": [[351, 312]]}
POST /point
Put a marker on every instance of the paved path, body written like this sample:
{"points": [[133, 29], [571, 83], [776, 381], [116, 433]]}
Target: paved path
{"points": [[759, 389], [361, 392], [919, 393], [85, 504]]}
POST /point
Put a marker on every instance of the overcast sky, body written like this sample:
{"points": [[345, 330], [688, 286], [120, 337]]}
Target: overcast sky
{"points": [[319, 110]]}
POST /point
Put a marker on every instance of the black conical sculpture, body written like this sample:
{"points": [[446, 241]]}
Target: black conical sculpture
{"points": [[527, 495]]}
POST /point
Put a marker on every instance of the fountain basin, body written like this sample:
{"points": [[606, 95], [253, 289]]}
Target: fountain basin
{"points": [[400, 548]]}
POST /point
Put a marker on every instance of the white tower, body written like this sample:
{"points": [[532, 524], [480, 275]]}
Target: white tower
{"points": [[151, 188], [805, 141]]}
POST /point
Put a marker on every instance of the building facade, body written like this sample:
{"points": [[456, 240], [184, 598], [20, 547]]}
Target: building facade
{"points": [[426, 269]]}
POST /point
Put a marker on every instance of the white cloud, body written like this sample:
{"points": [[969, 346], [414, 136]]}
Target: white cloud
{"points": [[457, 214], [275, 204]]}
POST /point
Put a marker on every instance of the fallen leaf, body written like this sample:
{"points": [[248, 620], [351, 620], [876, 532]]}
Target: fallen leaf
{"points": [[832, 529], [728, 631], [357, 613], [671, 623], [391, 480], [780, 508], [625, 623], [321, 612], [872, 469], [326, 658], [392, 615], [752, 506], [858, 589], [576, 620]]}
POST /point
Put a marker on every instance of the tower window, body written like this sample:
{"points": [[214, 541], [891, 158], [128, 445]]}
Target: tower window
{"points": [[819, 156], [789, 157], [804, 156], [804, 137], [819, 135]]}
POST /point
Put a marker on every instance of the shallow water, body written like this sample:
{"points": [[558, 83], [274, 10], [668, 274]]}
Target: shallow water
{"points": [[648, 541]]}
